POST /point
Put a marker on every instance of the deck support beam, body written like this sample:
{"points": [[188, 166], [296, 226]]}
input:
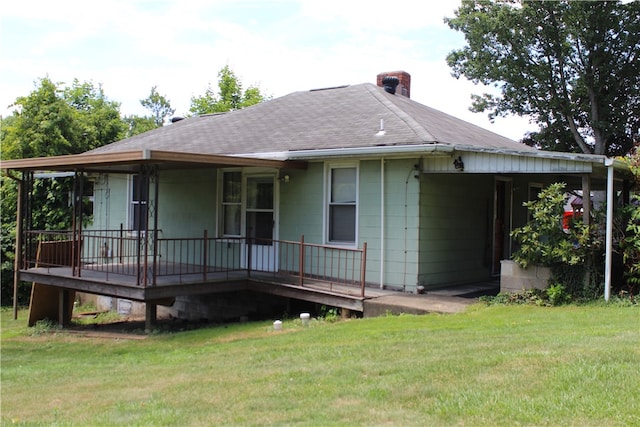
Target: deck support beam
{"points": [[150, 317], [64, 310]]}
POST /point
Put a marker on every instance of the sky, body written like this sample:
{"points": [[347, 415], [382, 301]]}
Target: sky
{"points": [[280, 46]]}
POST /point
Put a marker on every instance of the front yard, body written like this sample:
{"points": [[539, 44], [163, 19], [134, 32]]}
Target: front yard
{"points": [[497, 365]]}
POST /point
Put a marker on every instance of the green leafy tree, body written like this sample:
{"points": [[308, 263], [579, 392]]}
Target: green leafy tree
{"points": [[96, 115], [159, 106], [137, 124], [230, 95], [42, 125], [7, 240], [630, 242], [572, 66], [52, 120]]}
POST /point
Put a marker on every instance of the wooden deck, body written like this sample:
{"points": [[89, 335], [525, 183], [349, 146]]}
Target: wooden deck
{"points": [[170, 286]]}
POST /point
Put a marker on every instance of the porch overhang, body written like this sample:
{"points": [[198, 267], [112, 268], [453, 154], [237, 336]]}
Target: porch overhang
{"points": [[129, 162]]}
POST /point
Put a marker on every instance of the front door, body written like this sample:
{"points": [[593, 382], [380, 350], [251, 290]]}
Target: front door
{"points": [[260, 222]]}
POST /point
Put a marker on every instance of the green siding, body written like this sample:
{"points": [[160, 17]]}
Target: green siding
{"points": [[187, 203], [400, 225], [301, 204], [456, 228], [110, 205], [302, 211]]}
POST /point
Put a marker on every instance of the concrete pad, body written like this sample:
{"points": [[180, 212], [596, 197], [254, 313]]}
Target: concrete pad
{"points": [[414, 304]]}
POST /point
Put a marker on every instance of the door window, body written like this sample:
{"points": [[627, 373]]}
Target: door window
{"points": [[259, 211], [231, 203]]}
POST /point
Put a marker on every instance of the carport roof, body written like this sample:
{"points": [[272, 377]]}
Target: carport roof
{"points": [[129, 161]]}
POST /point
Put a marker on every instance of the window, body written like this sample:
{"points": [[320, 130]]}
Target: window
{"points": [[534, 190], [231, 203], [139, 200], [342, 206], [534, 194]]}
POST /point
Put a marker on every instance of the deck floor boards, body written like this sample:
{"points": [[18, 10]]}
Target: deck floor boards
{"points": [[110, 283], [170, 286]]}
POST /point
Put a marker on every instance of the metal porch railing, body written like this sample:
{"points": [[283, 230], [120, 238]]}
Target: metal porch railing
{"points": [[124, 252]]}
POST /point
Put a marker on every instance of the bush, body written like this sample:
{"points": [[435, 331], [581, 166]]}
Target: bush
{"points": [[557, 295], [543, 241], [526, 297], [630, 247], [574, 254]]}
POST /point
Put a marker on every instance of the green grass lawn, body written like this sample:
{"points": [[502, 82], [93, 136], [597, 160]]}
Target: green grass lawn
{"points": [[489, 366]]}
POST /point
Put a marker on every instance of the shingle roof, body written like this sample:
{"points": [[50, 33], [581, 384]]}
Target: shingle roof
{"points": [[341, 117]]}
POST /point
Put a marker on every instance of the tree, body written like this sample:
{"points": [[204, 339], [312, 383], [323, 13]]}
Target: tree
{"points": [[571, 66], [98, 117], [630, 241], [159, 106], [137, 124], [52, 120], [231, 95], [42, 125]]}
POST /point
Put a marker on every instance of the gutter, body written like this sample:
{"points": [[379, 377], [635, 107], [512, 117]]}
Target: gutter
{"points": [[390, 151], [383, 150]]}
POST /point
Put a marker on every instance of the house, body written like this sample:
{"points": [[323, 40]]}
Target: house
{"points": [[323, 195]]}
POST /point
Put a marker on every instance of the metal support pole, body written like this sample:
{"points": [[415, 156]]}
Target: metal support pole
{"points": [[153, 205], [301, 261], [78, 243], [145, 261], [18, 248], [74, 226], [205, 254], [139, 229], [363, 268], [609, 236]]}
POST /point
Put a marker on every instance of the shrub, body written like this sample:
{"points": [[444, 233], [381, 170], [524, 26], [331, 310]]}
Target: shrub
{"points": [[630, 247], [543, 241], [557, 294]]}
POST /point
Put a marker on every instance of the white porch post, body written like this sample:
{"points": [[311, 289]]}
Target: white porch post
{"points": [[609, 236], [382, 230]]}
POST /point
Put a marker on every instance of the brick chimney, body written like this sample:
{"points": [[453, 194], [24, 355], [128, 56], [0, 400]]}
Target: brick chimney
{"points": [[404, 87]]}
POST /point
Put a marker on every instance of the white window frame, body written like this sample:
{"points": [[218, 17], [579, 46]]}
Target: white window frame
{"points": [[222, 203], [329, 167]]}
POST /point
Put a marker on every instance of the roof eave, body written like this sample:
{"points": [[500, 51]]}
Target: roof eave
{"points": [[376, 151], [138, 157]]}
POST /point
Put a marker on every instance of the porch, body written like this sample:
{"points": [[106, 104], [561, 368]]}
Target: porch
{"points": [[122, 264]]}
